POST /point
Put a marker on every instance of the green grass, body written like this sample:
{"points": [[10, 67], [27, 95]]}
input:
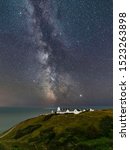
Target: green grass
{"points": [[85, 131]]}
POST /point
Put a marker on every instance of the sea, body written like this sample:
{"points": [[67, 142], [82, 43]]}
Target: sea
{"points": [[10, 116]]}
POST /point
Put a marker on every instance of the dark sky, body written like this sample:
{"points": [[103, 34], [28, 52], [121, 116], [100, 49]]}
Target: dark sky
{"points": [[56, 52]]}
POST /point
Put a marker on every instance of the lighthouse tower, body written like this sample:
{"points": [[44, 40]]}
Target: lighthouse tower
{"points": [[58, 109]]}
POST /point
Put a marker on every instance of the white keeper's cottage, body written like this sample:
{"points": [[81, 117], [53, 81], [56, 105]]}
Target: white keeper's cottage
{"points": [[67, 111]]}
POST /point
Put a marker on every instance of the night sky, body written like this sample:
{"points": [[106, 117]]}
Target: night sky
{"points": [[56, 52]]}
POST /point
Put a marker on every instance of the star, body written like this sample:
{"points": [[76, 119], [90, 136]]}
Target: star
{"points": [[61, 48], [34, 81], [20, 13], [81, 95]]}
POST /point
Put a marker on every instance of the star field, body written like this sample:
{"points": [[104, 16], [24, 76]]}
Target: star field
{"points": [[56, 52]]}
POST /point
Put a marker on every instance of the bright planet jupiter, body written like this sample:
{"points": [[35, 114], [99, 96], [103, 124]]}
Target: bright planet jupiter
{"points": [[55, 52]]}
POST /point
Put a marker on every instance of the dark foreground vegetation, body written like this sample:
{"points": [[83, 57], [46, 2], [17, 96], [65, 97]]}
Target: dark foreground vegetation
{"points": [[85, 131]]}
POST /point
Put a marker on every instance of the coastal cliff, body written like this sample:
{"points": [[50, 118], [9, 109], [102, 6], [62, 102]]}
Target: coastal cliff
{"points": [[84, 131]]}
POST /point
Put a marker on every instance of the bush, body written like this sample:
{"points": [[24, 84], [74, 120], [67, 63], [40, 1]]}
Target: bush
{"points": [[82, 146], [47, 117], [92, 132], [106, 126], [47, 135], [2, 147], [95, 144], [27, 130]]}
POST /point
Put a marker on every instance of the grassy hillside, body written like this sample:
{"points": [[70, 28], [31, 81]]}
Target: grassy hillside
{"points": [[85, 131]]}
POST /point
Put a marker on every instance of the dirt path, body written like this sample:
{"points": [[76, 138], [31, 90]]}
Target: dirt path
{"points": [[6, 133]]}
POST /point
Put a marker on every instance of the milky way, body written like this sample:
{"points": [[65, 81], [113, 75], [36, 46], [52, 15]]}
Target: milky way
{"points": [[48, 37], [57, 52]]}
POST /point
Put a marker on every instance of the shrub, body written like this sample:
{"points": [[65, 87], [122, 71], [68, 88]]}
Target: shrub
{"points": [[27, 130], [2, 147], [47, 117], [92, 132], [106, 126], [47, 135]]}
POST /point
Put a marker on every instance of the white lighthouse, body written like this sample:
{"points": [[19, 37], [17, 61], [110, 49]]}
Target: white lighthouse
{"points": [[58, 109]]}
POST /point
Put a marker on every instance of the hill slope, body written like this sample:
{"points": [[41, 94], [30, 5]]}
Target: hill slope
{"points": [[85, 131]]}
